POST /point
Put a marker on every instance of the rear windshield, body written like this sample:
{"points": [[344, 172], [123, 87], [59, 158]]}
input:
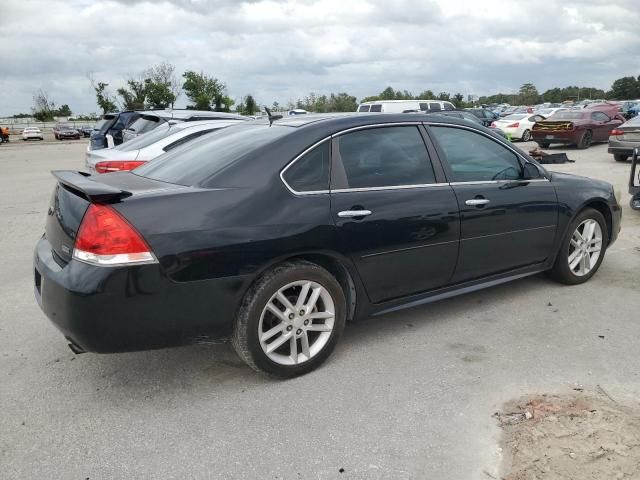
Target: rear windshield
{"points": [[147, 139], [566, 116], [145, 124], [197, 161]]}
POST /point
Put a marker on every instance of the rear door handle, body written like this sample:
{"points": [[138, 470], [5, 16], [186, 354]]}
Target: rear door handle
{"points": [[354, 213], [474, 202]]}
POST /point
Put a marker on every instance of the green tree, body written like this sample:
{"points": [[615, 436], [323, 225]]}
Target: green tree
{"points": [[625, 88], [387, 94], [528, 94], [250, 106], [158, 95], [458, 100], [103, 97], [63, 111], [44, 107], [134, 95], [165, 86], [426, 95], [203, 91]]}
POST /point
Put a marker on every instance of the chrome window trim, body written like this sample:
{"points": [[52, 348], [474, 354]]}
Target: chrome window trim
{"points": [[397, 187], [290, 164]]}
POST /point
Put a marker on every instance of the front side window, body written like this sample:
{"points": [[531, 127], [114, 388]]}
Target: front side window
{"points": [[382, 157], [473, 157], [310, 173]]}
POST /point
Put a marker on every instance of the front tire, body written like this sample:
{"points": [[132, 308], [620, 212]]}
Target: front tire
{"points": [[582, 250], [290, 320], [620, 158]]}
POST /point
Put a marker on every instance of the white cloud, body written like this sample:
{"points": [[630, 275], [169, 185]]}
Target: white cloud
{"points": [[281, 50]]}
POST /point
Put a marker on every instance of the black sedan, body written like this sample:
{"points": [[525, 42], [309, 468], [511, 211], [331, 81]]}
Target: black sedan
{"points": [[276, 235]]}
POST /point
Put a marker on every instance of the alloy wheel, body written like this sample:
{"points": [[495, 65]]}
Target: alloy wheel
{"points": [[296, 322], [585, 247]]}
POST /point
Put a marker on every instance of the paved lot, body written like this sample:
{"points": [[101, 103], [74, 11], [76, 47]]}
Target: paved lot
{"points": [[409, 395]]}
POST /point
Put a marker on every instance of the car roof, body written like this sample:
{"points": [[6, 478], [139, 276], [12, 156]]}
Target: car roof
{"points": [[196, 123], [374, 102]]}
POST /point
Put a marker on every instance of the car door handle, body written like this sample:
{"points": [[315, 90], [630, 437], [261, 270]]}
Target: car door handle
{"points": [[474, 202], [354, 213]]}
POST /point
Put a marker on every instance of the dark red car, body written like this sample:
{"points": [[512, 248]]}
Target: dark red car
{"points": [[580, 127], [62, 131]]}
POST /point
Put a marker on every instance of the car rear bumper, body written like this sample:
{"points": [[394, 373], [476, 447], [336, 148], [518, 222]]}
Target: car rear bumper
{"points": [[560, 136], [118, 309], [622, 147]]}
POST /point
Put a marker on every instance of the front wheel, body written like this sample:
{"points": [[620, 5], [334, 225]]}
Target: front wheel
{"points": [[526, 135], [290, 320], [582, 250], [620, 158]]}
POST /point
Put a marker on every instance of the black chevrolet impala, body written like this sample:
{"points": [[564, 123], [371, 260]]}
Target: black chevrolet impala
{"points": [[276, 235]]}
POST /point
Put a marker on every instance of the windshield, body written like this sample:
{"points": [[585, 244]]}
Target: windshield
{"points": [[566, 116], [147, 139], [197, 161]]}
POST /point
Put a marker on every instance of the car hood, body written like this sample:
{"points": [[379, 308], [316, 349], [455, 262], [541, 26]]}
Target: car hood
{"points": [[570, 179]]}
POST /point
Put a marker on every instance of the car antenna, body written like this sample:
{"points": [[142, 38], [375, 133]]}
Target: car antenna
{"points": [[272, 118]]}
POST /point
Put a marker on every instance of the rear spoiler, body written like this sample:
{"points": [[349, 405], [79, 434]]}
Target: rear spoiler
{"points": [[82, 184]]}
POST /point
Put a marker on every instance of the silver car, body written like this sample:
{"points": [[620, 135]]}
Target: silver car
{"points": [[623, 139]]}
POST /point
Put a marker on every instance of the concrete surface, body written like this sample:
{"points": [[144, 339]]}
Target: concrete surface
{"points": [[405, 396]]}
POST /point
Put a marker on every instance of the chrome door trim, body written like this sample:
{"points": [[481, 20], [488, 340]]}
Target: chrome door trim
{"points": [[392, 187]]}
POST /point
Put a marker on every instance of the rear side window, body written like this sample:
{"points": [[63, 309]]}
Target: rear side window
{"points": [[434, 107], [473, 157], [186, 139], [424, 107], [376, 108], [382, 157], [198, 161], [310, 173], [363, 108]]}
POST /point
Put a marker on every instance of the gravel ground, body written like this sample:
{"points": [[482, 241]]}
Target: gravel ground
{"points": [[406, 396]]}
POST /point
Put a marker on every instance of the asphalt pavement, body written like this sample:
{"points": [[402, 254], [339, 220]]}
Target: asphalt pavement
{"points": [[408, 395]]}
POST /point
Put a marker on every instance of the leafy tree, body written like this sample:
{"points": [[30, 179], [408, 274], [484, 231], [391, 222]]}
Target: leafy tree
{"points": [[444, 96], [426, 95], [250, 106], [63, 111], [44, 108], [528, 94], [458, 100], [104, 99], [134, 97], [164, 85], [22, 115], [625, 88], [203, 91]]}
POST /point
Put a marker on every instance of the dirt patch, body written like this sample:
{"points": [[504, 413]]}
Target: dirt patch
{"points": [[576, 436]]}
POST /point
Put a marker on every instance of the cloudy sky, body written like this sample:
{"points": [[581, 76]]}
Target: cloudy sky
{"points": [[283, 49]]}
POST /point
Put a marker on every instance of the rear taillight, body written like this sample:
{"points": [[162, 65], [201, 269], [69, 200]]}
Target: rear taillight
{"points": [[117, 165], [106, 238], [493, 124], [616, 132], [514, 125]]}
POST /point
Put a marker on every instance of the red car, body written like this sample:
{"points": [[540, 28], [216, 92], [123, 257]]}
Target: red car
{"points": [[580, 127], [62, 131]]}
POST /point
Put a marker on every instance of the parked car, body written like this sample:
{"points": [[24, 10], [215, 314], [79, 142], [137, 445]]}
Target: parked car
{"points": [[547, 112], [580, 127], [32, 133], [470, 117], [110, 127], [624, 138], [487, 116], [147, 121], [63, 130], [85, 130], [518, 126], [405, 106], [132, 154], [275, 235]]}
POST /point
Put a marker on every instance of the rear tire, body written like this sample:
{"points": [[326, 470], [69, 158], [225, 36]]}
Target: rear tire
{"points": [[568, 267], [303, 331], [585, 140], [620, 158], [526, 136]]}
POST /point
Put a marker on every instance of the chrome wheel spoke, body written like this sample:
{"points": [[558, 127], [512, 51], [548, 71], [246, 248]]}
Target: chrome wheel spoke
{"points": [[285, 301], [313, 299], [321, 315], [304, 292], [276, 311], [576, 261], [304, 342], [293, 345], [575, 254], [574, 243], [272, 332], [586, 243], [278, 342], [319, 327]]}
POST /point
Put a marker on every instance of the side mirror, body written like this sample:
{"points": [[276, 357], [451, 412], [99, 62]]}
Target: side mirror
{"points": [[530, 171]]}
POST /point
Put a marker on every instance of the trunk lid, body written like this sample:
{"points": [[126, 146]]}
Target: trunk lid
{"points": [[73, 194]]}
